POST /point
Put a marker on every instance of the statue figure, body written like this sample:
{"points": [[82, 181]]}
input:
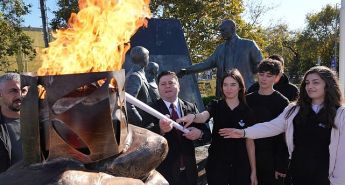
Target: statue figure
{"points": [[235, 52], [151, 73], [137, 84]]}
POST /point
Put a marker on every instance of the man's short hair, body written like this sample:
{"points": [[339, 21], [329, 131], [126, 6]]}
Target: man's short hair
{"points": [[269, 65], [9, 77], [164, 73], [277, 57]]}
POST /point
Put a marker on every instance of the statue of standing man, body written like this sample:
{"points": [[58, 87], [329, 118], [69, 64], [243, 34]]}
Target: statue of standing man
{"points": [[235, 52], [151, 73], [137, 84]]}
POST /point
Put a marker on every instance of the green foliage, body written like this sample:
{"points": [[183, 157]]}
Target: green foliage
{"points": [[319, 40], [61, 16], [320, 36], [200, 21], [280, 40], [302, 49], [13, 41], [206, 100]]}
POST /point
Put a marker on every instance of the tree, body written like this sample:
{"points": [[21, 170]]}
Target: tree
{"points": [[61, 16], [301, 49], [280, 40], [200, 21], [320, 37], [256, 10], [13, 41]]}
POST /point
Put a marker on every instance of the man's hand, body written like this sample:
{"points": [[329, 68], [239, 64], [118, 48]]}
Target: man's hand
{"points": [[193, 134], [165, 125], [181, 73], [278, 175]]}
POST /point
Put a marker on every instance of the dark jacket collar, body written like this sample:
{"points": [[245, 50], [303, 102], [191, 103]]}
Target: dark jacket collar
{"points": [[283, 80], [233, 39]]}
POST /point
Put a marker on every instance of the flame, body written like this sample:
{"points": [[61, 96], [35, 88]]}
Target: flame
{"points": [[96, 38]]}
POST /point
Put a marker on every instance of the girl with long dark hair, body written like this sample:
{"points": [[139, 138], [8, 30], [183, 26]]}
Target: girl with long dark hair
{"points": [[230, 161], [314, 128]]}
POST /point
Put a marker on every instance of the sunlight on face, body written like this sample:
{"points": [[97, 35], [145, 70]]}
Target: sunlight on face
{"points": [[315, 87], [266, 79], [168, 88], [230, 88], [11, 95]]}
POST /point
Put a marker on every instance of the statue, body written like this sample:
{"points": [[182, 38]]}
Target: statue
{"points": [[235, 52], [137, 84], [151, 72]]}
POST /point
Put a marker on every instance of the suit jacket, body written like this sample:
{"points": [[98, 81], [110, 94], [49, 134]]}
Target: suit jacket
{"points": [[169, 168]]}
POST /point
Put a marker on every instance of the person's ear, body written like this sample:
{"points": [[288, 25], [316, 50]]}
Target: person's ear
{"points": [[276, 80]]}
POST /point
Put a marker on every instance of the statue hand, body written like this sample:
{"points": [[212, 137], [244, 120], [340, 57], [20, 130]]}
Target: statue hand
{"points": [[181, 73]]}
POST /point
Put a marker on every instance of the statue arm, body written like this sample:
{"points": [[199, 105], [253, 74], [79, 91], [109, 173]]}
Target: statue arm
{"points": [[209, 63], [133, 85], [255, 57]]}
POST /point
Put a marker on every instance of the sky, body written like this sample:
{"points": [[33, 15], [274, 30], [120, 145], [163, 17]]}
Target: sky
{"points": [[292, 12]]}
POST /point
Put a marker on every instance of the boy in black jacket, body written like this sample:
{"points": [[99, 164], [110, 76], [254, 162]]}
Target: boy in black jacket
{"points": [[267, 103], [282, 85]]}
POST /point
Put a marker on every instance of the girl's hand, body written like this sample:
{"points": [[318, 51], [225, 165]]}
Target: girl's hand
{"points": [[187, 120], [253, 179], [231, 133]]}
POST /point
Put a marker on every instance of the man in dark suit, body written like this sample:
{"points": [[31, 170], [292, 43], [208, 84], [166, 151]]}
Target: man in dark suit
{"points": [[179, 167]]}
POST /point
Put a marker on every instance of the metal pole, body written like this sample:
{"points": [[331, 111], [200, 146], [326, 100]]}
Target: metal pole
{"points": [[336, 37], [342, 47], [44, 23]]}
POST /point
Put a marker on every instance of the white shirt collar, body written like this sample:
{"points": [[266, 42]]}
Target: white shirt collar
{"points": [[316, 108]]}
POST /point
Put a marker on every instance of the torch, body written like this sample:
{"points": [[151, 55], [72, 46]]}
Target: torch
{"points": [[130, 99]]}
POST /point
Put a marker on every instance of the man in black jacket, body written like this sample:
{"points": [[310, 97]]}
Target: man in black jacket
{"points": [[179, 167], [289, 90], [10, 142]]}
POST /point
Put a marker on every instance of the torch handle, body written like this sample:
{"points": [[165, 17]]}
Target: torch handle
{"points": [[134, 101]]}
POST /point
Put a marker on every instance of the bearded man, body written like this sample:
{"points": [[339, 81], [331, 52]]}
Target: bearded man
{"points": [[11, 98]]}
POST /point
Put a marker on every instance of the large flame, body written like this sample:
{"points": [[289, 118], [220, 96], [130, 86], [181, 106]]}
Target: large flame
{"points": [[97, 38]]}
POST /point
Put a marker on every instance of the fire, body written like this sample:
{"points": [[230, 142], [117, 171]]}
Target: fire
{"points": [[97, 38]]}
